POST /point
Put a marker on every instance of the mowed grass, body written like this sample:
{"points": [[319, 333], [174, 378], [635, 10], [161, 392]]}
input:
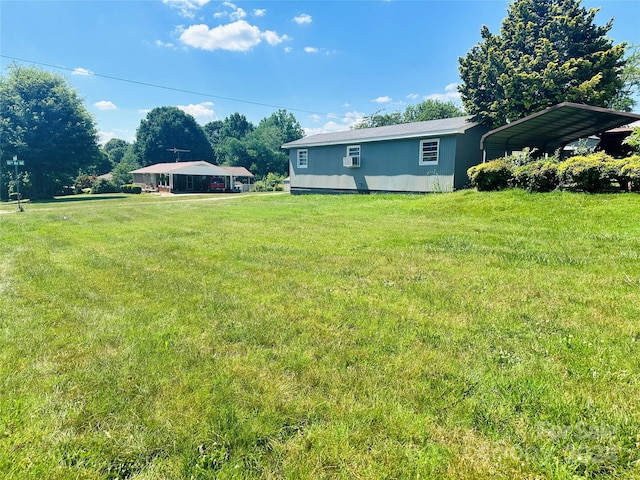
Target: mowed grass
{"points": [[465, 335]]}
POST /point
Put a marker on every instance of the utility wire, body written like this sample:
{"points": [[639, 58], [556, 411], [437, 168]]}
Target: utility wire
{"points": [[173, 89]]}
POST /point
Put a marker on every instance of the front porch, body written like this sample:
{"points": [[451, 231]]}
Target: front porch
{"points": [[192, 177]]}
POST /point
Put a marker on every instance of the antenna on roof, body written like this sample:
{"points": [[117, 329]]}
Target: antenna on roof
{"points": [[177, 150]]}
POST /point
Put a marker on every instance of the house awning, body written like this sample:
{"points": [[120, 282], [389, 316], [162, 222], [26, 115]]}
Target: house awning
{"points": [[555, 127]]}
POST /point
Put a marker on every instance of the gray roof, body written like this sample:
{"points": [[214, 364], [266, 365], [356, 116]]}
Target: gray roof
{"points": [[185, 168], [237, 171], [446, 126]]}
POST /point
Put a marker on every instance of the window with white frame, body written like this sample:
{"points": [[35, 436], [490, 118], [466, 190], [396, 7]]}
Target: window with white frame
{"points": [[353, 152], [303, 158], [429, 151]]}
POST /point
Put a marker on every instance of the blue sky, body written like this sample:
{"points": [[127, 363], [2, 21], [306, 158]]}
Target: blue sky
{"points": [[327, 62]]}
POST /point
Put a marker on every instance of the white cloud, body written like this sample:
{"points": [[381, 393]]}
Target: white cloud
{"points": [[351, 118], [259, 12], [343, 122], [238, 36], [450, 94], [160, 43], [104, 137], [315, 50], [273, 38], [384, 99], [127, 135], [413, 96], [82, 72], [239, 14], [288, 49], [186, 7], [303, 19], [236, 13], [202, 112], [105, 105]]}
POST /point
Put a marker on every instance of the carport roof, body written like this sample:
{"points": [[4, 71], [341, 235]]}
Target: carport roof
{"points": [[555, 127]]}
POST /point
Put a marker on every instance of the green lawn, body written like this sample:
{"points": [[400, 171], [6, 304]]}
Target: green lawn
{"points": [[460, 335]]}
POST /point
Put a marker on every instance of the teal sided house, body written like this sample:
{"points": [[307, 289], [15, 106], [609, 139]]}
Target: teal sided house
{"points": [[416, 157]]}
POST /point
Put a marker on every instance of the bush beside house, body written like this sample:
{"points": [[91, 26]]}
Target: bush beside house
{"points": [[593, 173]]}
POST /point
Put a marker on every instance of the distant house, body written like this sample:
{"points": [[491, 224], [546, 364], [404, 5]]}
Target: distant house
{"points": [[612, 141], [412, 157], [192, 177]]}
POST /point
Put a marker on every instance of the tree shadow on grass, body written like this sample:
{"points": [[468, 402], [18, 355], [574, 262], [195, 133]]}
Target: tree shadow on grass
{"points": [[80, 198]]}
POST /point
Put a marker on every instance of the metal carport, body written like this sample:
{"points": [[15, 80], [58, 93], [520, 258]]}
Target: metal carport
{"points": [[554, 127]]}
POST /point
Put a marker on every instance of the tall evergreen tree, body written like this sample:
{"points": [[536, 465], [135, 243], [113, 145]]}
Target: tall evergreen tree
{"points": [[547, 52]]}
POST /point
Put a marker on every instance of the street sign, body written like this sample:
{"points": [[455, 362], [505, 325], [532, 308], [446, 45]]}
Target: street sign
{"points": [[15, 163]]}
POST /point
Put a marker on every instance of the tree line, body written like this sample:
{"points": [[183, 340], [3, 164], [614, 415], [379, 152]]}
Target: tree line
{"points": [[547, 52], [45, 122], [234, 141]]}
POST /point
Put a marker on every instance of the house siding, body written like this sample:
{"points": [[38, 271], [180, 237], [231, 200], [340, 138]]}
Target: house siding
{"points": [[386, 166], [468, 154]]}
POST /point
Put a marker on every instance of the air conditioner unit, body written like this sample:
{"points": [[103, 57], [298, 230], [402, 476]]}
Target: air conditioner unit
{"points": [[351, 162]]}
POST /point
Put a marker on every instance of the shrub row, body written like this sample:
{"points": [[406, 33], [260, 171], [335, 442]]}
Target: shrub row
{"points": [[102, 185], [131, 188], [590, 173]]}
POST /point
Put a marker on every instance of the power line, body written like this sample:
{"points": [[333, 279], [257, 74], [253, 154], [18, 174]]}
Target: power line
{"points": [[173, 89]]}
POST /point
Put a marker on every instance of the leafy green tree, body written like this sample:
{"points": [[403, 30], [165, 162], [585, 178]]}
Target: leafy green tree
{"points": [[115, 150], [264, 152], [165, 128], [236, 126], [263, 145], [288, 128], [233, 152], [547, 52], [100, 165], [378, 119], [231, 148], [431, 109], [45, 123], [258, 148], [121, 172], [630, 75], [212, 131], [633, 140]]}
